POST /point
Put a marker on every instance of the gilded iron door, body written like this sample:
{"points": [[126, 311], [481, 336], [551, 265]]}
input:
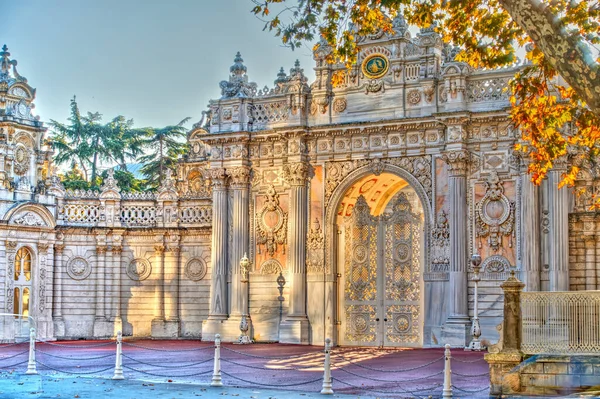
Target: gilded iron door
{"points": [[360, 319], [401, 265]]}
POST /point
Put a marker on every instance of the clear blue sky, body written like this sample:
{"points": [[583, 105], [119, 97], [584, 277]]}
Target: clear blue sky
{"points": [[156, 61]]}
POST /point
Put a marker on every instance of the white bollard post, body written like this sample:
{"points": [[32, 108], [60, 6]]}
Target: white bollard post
{"points": [[216, 378], [31, 369], [119, 359], [447, 392], [327, 370]]}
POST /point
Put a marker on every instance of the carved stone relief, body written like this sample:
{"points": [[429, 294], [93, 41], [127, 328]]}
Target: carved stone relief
{"points": [[419, 167], [495, 264], [271, 266], [78, 268], [139, 269], [271, 224], [440, 239], [195, 269], [315, 244], [495, 214], [29, 219]]}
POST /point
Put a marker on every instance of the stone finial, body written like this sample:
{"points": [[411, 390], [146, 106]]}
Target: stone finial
{"points": [[238, 85], [281, 77], [238, 68]]}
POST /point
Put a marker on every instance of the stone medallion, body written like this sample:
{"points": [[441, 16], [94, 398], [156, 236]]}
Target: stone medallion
{"points": [[78, 268], [195, 269], [375, 66], [139, 269]]}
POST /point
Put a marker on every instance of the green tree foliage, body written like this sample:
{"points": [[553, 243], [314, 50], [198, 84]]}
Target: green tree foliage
{"points": [[163, 147], [560, 37], [74, 179], [87, 143]]}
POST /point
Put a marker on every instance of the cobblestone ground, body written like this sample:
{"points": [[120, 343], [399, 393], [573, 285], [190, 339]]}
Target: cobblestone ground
{"points": [[184, 369]]}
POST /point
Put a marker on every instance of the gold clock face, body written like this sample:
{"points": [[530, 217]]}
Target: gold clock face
{"points": [[375, 66]]}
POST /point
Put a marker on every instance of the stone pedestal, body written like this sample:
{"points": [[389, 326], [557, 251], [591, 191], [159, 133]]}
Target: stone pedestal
{"points": [[103, 329], [504, 378], [294, 331], [165, 329]]}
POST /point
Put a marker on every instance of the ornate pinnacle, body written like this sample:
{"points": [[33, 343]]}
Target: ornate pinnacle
{"points": [[238, 68], [5, 63], [281, 77]]}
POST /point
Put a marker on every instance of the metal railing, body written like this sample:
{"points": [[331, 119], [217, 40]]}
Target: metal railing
{"points": [[561, 322]]}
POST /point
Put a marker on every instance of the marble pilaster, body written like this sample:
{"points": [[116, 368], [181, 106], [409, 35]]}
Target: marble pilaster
{"points": [[590, 261], [456, 328], [59, 324], [101, 325], [558, 203], [295, 327], [116, 286]]}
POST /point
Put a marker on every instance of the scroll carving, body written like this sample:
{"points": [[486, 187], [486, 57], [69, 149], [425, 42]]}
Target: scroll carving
{"points": [[315, 260], [495, 214], [271, 223]]}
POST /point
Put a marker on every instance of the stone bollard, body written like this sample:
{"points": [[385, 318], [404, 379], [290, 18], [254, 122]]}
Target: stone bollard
{"points": [[447, 391], [31, 369], [510, 355], [118, 375], [327, 370], [216, 378]]}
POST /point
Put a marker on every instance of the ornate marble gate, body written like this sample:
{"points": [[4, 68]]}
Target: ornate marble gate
{"points": [[381, 303]]}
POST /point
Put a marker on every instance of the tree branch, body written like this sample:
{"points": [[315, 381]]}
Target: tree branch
{"points": [[567, 53]]}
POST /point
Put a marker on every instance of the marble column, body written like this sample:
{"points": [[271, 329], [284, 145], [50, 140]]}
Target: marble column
{"points": [[456, 328], [295, 327], [239, 184], [217, 313], [218, 289], [530, 232], [558, 203]]}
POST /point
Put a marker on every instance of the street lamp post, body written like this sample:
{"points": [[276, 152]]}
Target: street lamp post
{"points": [[475, 344], [244, 326]]}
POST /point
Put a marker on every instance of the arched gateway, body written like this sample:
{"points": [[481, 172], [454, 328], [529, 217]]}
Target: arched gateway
{"points": [[379, 254]]}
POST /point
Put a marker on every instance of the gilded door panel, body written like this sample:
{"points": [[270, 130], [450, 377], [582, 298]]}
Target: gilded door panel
{"points": [[359, 325], [401, 265]]}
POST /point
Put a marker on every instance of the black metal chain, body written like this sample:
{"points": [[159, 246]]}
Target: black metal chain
{"points": [[74, 372], [272, 357], [270, 385], [166, 376], [71, 358], [387, 371], [165, 366], [167, 350], [15, 355], [395, 381]]}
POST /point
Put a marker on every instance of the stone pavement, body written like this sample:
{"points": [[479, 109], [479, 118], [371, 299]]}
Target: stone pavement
{"points": [[183, 369]]}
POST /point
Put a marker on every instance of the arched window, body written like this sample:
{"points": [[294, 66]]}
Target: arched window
{"points": [[22, 282]]}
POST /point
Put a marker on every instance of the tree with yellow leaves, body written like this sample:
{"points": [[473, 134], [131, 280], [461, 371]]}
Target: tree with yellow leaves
{"points": [[555, 98]]}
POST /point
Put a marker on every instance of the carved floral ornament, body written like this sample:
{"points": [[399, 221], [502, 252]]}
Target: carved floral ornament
{"points": [[458, 162], [240, 176], [315, 243], [21, 163], [271, 223], [29, 219], [139, 269], [296, 173], [78, 268], [495, 214], [195, 269]]}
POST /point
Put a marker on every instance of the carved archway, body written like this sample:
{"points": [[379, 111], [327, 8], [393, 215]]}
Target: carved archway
{"points": [[348, 181], [331, 262]]}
